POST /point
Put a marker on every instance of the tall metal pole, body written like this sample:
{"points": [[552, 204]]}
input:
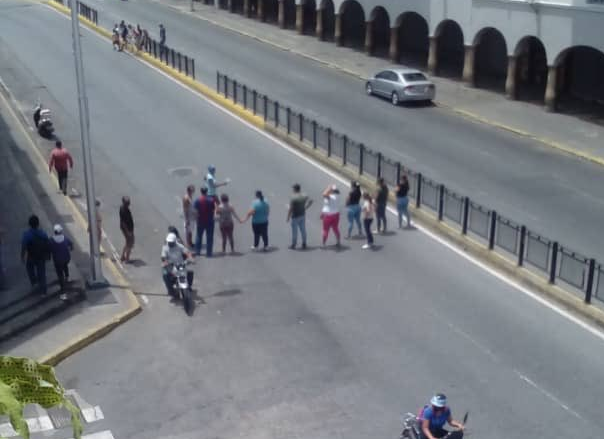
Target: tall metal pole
{"points": [[96, 273]]}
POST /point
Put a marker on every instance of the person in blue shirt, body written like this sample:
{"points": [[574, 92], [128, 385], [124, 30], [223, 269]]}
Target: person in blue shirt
{"points": [[35, 251], [259, 214], [434, 417], [211, 183]]}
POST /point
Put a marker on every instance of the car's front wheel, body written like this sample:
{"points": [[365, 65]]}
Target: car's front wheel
{"points": [[394, 98], [369, 88]]}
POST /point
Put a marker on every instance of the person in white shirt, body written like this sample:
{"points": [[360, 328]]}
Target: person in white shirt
{"points": [[211, 181], [367, 212], [330, 214], [174, 253]]}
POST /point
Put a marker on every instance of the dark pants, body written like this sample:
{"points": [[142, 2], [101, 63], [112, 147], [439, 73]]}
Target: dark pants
{"points": [[62, 177], [260, 231], [441, 433], [36, 270], [208, 228], [62, 269], [380, 212], [367, 224]]}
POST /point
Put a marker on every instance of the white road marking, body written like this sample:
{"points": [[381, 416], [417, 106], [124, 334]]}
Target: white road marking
{"points": [[92, 414], [547, 394], [144, 299], [592, 330], [100, 435]]}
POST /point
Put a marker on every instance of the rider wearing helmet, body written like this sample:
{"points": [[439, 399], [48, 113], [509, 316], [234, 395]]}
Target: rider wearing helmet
{"points": [[174, 253], [434, 417]]}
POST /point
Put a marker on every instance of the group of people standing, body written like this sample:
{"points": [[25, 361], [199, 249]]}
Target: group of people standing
{"points": [[202, 213], [124, 34]]}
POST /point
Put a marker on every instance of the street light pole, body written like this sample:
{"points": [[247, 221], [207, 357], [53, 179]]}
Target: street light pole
{"points": [[96, 272]]}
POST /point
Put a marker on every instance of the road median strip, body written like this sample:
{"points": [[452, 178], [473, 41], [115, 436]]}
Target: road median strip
{"points": [[496, 262]]}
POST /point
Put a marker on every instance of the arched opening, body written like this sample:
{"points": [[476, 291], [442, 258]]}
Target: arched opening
{"points": [[353, 24], [223, 4], [449, 49], [531, 69], [237, 6], [580, 82], [289, 13], [271, 10], [491, 59], [309, 12], [413, 41], [253, 6], [328, 20], [380, 30]]}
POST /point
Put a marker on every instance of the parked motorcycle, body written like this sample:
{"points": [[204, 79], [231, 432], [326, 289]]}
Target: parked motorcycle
{"points": [[43, 121], [412, 428]]}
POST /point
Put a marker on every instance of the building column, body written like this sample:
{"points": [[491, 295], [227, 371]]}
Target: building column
{"points": [[338, 31], [260, 12], [393, 52], [246, 8], [319, 25], [369, 38], [281, 16], [230, 5], [433, 56], [300, 18], [468, 65], [551, 90], [511, 78]]}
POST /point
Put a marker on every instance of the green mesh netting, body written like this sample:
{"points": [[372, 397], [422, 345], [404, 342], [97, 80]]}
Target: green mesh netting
{"points": [[24, 381]]}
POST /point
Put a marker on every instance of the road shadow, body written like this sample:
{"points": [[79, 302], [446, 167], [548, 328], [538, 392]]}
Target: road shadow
{"points": [[137, 263], [336, 248]]}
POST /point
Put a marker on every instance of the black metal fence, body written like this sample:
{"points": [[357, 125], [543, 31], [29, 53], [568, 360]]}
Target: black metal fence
{"points": [[543, 256], [84, 10], [182, 63]]}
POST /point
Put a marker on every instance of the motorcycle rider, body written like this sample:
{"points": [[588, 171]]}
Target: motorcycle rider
{"points": [[433, 418], [174, 253]]}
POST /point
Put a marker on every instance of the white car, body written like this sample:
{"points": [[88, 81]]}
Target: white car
{"points": [[400, 85]]}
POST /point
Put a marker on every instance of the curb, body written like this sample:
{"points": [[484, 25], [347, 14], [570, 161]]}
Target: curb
{"points": [[495, 261], [457, 110]]}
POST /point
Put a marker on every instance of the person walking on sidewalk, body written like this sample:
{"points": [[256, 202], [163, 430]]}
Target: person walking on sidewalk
{"points": [[127, 228], [259, 213], [298, 205], [225, 213], [61, 161], [60, 249], [330, 214], [353, 208], [381, 201], [402, 202], [368, 209], [35, 251], [188, 212], [205, 206]]}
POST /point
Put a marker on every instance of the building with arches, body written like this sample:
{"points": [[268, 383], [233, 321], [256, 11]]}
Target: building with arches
{"points": [[549, 51]]}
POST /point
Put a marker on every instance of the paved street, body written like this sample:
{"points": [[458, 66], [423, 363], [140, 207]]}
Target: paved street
{"points": [[315, 344], [553, 194]]}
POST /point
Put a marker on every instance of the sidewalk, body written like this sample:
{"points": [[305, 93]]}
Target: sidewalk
{"points": [[47, 328], [563, 132]]}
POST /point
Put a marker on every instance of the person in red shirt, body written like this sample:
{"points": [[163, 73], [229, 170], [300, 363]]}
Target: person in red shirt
{"points": [[61, 160]]}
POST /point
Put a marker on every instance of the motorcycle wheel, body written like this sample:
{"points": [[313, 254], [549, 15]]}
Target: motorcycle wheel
{"points": [[187, 300]]}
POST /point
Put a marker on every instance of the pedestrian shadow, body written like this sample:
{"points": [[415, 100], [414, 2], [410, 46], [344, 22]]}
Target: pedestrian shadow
{"points": [[376, 247], [309, 248], [137, 263], [269, 249], [336, 248], [386, 233]]}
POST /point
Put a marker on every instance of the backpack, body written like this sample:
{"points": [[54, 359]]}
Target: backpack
{"points": [[38, 248]]}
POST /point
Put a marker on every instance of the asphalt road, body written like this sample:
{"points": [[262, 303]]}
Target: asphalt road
{"points": [[553, 194], [314, 344]]}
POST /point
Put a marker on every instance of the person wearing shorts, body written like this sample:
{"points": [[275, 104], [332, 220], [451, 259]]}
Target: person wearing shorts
{"points": [[224, 214]]}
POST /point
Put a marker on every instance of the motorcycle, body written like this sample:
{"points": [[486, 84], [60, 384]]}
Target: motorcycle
{"points": [[412, 428], [182, 283], [43, 122]]}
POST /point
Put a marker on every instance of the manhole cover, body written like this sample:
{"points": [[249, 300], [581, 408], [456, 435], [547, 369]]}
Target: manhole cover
{"points": [[183, 171]]}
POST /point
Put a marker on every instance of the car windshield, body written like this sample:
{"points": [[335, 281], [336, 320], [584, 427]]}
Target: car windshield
{"points": [[413, 77]]}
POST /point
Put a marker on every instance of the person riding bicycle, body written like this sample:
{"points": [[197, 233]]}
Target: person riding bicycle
{"points": [[433, 418], [174, 253]]}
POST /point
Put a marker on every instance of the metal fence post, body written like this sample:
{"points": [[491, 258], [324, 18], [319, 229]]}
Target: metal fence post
{"points": [[218, 82], [265, 109], [179, 62], [314, 134], [245, 96], [379, 165], [591, 269], [301, 124], [226, 86], [398, 172], [466, 216], [441, 201], [193, 68], [154, 49], [329, 140], [276, 114], [254, 103], [344, 150], [361, 155], [187, 70], [554, 263], [418, 192], [235, 91], [521, 245], [173, 60], [288, 122], [492, 230]]}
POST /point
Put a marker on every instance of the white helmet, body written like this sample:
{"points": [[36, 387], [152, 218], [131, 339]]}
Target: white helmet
{"points": [[439, 400], [171, 238]]}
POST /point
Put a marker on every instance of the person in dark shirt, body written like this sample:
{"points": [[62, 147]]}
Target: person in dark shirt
{"points": [[35, 251], [353, 208], [298, 205], [402, 202], [127, 228], [205, 206], [381, 200]]}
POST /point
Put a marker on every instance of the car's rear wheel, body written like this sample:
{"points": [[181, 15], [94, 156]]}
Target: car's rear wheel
{"points": [[369, 89], [394, 98]]}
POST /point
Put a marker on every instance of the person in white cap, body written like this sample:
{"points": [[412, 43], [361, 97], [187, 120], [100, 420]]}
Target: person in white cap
{"points": [[330, 214], [60, 249], [174, 253]]}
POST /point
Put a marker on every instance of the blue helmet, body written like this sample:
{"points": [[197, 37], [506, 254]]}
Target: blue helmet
{"points": [[439, 400]]}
